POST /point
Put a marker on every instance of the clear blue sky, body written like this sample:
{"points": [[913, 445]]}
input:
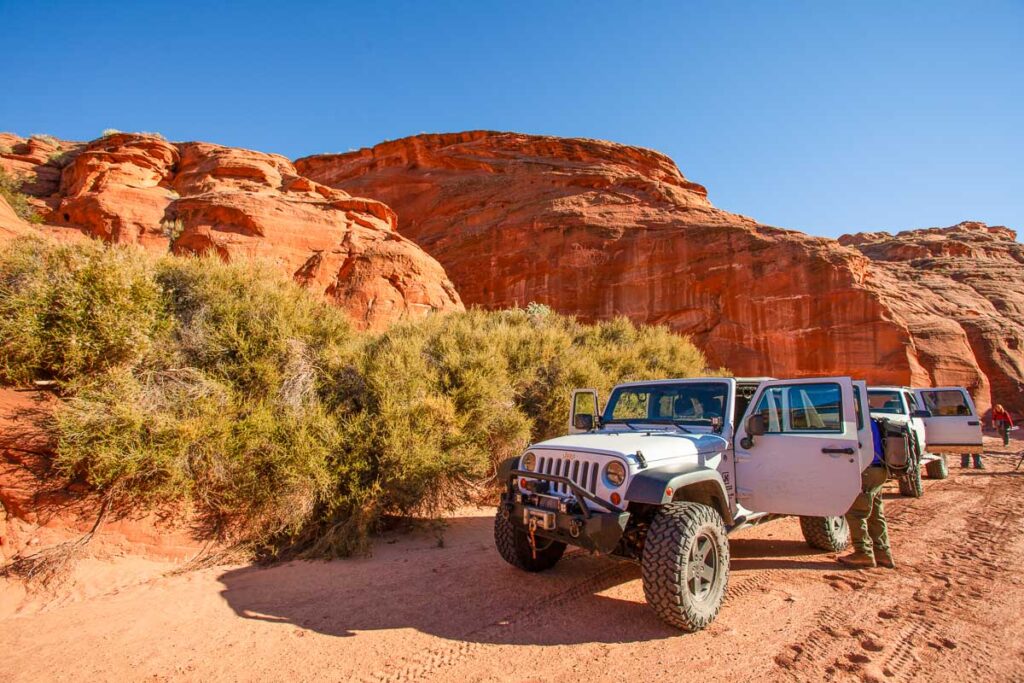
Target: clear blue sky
{"points": [[822, 116]]}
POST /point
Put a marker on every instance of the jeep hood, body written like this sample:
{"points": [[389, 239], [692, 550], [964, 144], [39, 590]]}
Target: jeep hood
{"points": [[655, 446]]}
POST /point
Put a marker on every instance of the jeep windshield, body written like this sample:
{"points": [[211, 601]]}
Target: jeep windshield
{"points": [[683, 403]]}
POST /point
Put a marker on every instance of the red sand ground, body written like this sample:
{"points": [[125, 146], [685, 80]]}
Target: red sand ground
{"points": [[952, 611]]}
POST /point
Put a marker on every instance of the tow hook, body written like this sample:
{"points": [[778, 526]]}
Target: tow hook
{"points": [[533, 539], [575, 527]]}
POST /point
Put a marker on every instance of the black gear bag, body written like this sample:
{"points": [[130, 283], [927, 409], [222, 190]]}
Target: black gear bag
{"points": [[896, 449]]}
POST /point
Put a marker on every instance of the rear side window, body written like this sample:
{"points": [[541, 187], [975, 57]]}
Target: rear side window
{"points": [[946, 403], [802, 408], [885, 401]]}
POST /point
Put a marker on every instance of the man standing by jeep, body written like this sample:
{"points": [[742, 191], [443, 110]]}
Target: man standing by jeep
{"points": [[866, 517]]}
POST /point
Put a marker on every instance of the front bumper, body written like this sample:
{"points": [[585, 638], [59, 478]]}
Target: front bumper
{"points": [[574, 522]]}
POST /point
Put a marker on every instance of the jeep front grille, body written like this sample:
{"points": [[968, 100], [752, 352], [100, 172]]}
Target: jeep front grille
{"points": [[581, 472]]}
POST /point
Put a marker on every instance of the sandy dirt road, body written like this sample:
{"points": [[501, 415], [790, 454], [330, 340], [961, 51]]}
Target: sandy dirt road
{"points": [[952, 611]]}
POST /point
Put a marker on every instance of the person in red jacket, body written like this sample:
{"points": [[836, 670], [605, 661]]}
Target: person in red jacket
{"points": [[1001, 421]]}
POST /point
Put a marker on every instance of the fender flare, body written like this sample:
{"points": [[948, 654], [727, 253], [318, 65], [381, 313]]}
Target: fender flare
{"points": [[650, 487], [505, 468]]}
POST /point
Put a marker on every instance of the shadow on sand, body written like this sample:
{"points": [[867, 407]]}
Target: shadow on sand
{"points": [[464, 591]]}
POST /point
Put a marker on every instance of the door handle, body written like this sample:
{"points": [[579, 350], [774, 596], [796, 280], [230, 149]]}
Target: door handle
{"points": [[973, 423], [838, 451]]}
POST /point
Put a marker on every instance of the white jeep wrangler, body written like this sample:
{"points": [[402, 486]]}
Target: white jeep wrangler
{"points": [[671, 467], [941, 420]]}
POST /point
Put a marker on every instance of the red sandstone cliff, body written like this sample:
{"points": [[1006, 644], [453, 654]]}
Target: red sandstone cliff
{"points": [[598, 229], [960, 292], [199, 197], [592, 228]]}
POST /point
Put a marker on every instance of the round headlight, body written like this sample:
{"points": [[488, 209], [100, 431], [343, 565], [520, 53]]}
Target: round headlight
{"points": [[614, 473], [529, 462]]}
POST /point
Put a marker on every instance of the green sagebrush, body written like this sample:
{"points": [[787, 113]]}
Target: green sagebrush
{"points": [[188, 382]]}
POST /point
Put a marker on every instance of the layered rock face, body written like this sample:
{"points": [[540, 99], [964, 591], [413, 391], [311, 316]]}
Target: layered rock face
{"points": [[591, 228], [598, 230], [38, 160], [960, 292], [199, 198]]}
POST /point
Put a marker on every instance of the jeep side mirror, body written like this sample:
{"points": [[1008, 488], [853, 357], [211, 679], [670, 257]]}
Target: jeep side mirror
{"points": [[583, 404], [583, 422], [921, 413], [756, 425]]}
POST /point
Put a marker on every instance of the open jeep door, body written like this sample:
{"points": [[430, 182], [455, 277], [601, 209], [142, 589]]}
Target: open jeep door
{"points": [[798, 450], [864, 436], [954, 425]]}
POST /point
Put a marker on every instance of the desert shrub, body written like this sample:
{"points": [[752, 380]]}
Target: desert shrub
{"points": [[10, 190], [73, 310], [107, 132], [436, 403], [247, 325], [228, 389], [224, 413], [253, 470], [172, 230]]}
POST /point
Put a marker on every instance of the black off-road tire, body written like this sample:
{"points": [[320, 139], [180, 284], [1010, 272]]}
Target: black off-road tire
{"points": [[937, 469], [514, 547], [685, 565], [831, 534], [910, 483]]}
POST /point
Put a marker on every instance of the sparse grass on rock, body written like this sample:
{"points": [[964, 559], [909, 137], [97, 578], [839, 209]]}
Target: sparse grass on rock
{"points": [[59, 159], [48, 139], [10, 190]]}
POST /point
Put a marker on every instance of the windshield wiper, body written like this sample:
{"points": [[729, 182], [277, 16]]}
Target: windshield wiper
{"points": [[648, 422]]}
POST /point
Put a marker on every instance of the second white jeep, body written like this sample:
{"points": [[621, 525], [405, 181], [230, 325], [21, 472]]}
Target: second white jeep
{"points": [[900, 405]]}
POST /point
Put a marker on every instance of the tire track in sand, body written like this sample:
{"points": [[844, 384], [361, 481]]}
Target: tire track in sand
{"points": [[906, 619]]}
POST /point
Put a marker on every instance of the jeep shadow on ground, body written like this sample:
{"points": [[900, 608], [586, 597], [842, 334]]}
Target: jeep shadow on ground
{"points": [[464, 591], [769, 553]]}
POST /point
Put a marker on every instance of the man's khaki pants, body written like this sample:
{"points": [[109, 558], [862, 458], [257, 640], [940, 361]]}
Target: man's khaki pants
{"points": [[867, 515]]}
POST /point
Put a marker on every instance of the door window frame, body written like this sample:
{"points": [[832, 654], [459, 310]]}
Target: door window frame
{"points": [[786, 406], [971, 412]]}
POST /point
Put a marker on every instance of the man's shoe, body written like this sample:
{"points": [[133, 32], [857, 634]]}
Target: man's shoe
{"points": [[885, 560], [857, 559]]}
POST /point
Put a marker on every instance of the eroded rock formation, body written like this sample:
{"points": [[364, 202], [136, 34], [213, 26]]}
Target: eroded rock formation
{"points": [[591, 228], [199, 197], [960, 292], [597, 230]]}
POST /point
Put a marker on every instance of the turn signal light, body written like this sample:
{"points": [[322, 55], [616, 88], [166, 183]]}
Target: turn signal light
{"points": [[522, 482], [668, 492], [616, 499]]}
